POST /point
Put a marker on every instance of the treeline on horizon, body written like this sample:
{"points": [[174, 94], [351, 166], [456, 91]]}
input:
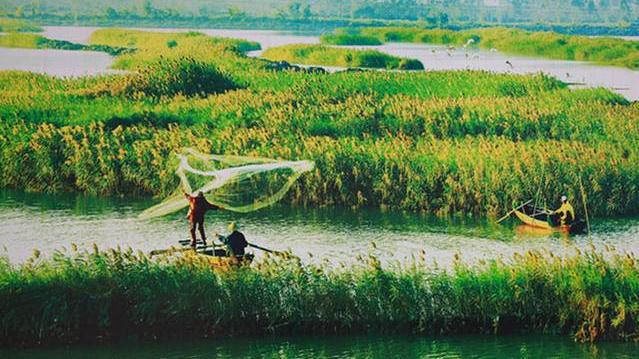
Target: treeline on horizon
{"points": [[567, 16]]}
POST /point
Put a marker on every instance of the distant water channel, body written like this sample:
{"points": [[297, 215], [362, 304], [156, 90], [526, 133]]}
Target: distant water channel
{"points": [[60, 63], [370, 347], [579, 74], [51, 222]]}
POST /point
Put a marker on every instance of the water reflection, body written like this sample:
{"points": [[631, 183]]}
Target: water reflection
{"points": [[48, 222], [351, 347]]}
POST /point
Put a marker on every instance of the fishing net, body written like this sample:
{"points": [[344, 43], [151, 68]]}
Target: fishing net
{"points": [[236, 183]]}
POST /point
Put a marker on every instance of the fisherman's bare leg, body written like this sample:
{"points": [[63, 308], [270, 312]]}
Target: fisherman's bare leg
{"points": [[192, 230], [201, 228]]}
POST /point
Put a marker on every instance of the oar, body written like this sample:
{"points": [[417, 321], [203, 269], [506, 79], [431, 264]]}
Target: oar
{"points": [[511, 212], [265, 249], [254, 246]]}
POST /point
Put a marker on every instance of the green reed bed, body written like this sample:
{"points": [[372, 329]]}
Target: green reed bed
{"points": [[604, 50], [441, 142], [27, 41], [34, 41], [15, 25], [339, 57], [349, 39], [113, 295]]}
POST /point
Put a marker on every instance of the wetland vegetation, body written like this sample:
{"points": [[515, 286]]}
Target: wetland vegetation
{"points": [[17, 25], [103, 296], [605, 51], [446, 142], [339, 57], [449, 142]]}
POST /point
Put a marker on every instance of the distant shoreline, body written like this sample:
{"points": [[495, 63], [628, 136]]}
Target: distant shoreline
{"points": [[318, 25]]}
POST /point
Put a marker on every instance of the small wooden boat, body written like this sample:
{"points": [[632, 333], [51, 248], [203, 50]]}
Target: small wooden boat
{"points": [[216, 255], [540, 218]]}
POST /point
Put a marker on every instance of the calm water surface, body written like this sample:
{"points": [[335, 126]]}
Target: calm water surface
{"points": [[580, 74], [467, 347], [50, 222], [56, 62]]}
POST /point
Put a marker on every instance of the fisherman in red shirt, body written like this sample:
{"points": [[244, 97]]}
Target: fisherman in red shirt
{"points": [[198, 205]]}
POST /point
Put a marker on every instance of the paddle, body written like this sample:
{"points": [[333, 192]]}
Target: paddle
{"points": [[254, 246], [265, 249], [511, 212]]}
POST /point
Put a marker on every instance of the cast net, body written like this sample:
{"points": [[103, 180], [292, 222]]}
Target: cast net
{"points": [[236, 183]]}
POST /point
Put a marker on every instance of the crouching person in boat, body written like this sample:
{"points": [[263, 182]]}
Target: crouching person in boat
{"points": [[198, 205], [235, 242], [566, 212]]}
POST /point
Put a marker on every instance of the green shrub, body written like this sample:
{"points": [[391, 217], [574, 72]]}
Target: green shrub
{"points": [[349, 39], [167, 78], [331, 56]]}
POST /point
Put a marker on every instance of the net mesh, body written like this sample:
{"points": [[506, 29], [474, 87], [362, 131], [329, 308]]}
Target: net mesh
{"points": [[236, 183]]}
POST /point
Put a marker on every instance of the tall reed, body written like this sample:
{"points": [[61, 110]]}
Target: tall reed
{"points": [[99, 296], [442, 142]]}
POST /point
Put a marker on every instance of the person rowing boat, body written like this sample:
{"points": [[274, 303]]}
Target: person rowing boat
{"points": [[198, 205], [562, 219], [566, 212], [235, 241]]}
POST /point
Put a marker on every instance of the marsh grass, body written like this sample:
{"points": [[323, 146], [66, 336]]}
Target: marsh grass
{"points": [[34, 41], [601, 50], [447, 142], [339, 57], [349, 39], [15, 25], [102, 296]]}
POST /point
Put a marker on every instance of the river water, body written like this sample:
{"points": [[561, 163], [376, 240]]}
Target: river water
{"points": [[50, 222], [579, 74], [56, 62], [462, 347]]}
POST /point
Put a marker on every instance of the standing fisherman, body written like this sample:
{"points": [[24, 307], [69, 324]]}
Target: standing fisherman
{"points": [[198, 206]]}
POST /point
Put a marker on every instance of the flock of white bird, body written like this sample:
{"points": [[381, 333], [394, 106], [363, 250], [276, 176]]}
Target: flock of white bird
{"points": [[475, 56]]}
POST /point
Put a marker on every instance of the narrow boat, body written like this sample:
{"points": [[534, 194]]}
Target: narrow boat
{"points": [[540, 218], [216, 255]]}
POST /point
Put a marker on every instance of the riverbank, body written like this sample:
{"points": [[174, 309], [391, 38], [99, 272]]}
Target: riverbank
{"points": [[33, 41], [87, 297], [318, 25], [337, 57], [605, 51]]}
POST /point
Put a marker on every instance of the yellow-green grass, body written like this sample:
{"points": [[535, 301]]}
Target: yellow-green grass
{"points": [[34, 41], [17, 40], [603, 50], [16, 25], [441, 142], [349, 39], [339, 57], [87, 297]]}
